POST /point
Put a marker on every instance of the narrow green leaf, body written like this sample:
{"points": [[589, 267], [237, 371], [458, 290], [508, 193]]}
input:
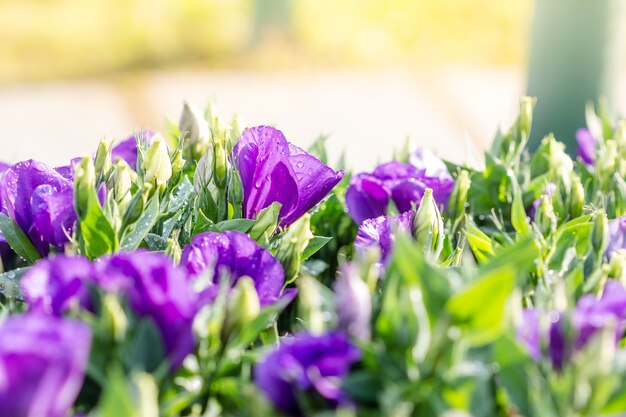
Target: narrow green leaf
{"points": [[240, 225], [478, 241], [518, 214], [315, 245], [96, 235], [18, 240], [132, 240]]}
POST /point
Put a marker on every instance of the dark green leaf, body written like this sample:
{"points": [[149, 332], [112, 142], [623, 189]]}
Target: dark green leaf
{"points": [[18, 240], [132, 240], [315, 245]]}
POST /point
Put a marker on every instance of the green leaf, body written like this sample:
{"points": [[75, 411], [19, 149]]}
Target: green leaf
{"points": [[512, 362], [253, 330], [18, 240], [266, 223], [240, 225], [10, 283], [117, 399], [96, 235], [518, 214], [478, 241], [480, 309], [142, 227], [315, 245], [180, 196]]}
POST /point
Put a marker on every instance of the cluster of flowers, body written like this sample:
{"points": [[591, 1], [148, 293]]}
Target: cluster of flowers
{"points": [[191, 256]]}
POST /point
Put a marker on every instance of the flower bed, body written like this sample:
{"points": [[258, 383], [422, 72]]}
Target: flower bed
{"points": [[212, 270]]}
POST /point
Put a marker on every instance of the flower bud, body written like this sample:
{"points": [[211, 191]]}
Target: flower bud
{"points": [[102, 161], [120, 182], [458, 197], [178, 162], [220, 163], [545, 218], [84, 185], [599, 233], [615, 268], [525, 120], [193, 126], [353, 303], [243, 308], [157, 166], [134, 208], [310, 305], [293, 244], [113, 317], [428, 225], [576, 198], [236, 128], [235, 192]]}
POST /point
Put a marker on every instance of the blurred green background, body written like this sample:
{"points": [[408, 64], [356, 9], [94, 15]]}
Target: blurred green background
{"points": [[48, 39]]}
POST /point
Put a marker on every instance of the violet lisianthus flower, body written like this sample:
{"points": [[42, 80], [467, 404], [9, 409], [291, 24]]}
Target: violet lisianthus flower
{"points": [[41, 201], [53, 285], [586, 146], [158, 290], [380, 231], [234, 255], [42, 364], [303, 363], [617, 235], [369, 194], [272, 169], [353, 303], [127, 149]]}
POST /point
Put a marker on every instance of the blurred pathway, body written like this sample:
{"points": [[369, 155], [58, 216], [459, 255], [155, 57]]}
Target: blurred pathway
{"points": [[366, 112]]}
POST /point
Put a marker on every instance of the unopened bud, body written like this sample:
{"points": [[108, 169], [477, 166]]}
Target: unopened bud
{"points": [[84, 185], [192, 125], [157, 166], [615, 268], [428, 225], [599, 233], [293, 244], [545, 218], [236, 128], [204, 171], [134, 209], [576, 198], [243, 307], [458, 197], [120, 182], [525, 120], [113, 317], [220, 163], [310, 305], [102, 161], [178, 162]]}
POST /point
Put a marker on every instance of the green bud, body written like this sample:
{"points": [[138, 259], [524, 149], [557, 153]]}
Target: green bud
{"points": [[102, 161], [606, 163], [545, 218], [310, 305], [525, 120], [428, 225], [157, 166], [193, 126], [113, 317], [236, 129], [551, 158], [243, 308], [458, 197], [620, 194], [292, 246], [576, 198], [220, 162], [615, 268], [84, 185], [599, 233], [120, 182], [204, 171], [134, 209], [235, 192]]}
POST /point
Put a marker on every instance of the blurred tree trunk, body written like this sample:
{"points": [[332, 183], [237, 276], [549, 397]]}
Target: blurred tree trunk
{"points": [[272, 15], [574, 58]]}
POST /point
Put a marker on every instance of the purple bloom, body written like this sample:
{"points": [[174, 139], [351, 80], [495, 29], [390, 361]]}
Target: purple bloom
{"points": [[353, 303], [303, 363], [549, 190], [586, 146], [41, 202], [158, 290], [379, 232], [127, 149], [528, 333], [273, 169], [369, 194], [617, 235], [235, 254], [5, 249], [42, 365], [593, 314], [53, 285]]}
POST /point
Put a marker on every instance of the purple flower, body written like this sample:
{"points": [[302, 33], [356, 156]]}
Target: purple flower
{"points": [[617, 235], [5, 249], [273, 169], [53, 285], [158, 290], [528, 333], [353, 303], [127, 149], [379, 232], [586, 146], [593, 314], [42, 365], [41, 201], [369, 194], [306, 363], [236, 255]]}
